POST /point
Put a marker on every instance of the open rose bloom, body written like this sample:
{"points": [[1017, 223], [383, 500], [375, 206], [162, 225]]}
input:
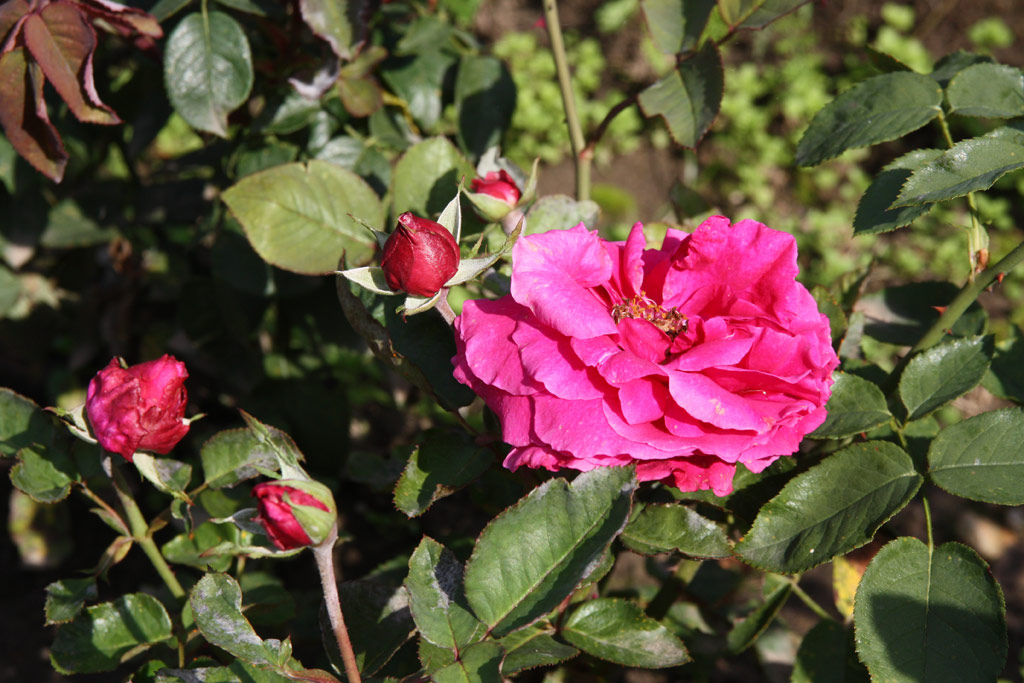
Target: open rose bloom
{"points": [[685, 360]]}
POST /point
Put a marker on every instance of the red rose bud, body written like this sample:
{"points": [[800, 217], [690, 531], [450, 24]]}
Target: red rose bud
{"points": [[138, 408], [498, 184], [295, 512], [419, 256]]}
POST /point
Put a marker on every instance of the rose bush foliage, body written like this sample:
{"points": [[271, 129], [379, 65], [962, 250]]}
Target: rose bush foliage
{"points": [[141, 407], [685, 360]]}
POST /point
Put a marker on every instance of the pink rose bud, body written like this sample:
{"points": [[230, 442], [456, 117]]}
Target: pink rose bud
{"points": [[498, 184], [295, 512], [419, 256], [138, 408]]}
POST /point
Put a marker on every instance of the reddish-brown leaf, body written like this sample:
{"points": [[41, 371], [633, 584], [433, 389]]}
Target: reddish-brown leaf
{"points": [[127, 20], [63, 42], [23, 115], [10, 12]]}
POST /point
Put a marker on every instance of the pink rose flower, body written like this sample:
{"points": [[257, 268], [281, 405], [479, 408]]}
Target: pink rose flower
{"points": [[498, 184], [684, 360], [295, 513], [138, 408], [419, 256]]}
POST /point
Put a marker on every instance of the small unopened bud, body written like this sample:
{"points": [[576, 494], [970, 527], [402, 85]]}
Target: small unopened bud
{"points": [[494, 195], [419, 256], [295, 512]]}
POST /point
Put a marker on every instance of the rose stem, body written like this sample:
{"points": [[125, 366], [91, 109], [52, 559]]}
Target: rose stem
{"points": [[444, 308], [581, 155], [141, 535], [324, 554]]}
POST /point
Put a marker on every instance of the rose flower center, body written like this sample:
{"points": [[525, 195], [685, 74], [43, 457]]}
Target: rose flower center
{"points": [[670, 321]]}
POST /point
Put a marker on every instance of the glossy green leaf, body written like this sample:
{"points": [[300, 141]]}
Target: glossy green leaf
{"points": [[664, 528], [930, 614], [534, 554], [953, 63], [188, 548], [856, 405], [689, 97], [968, 166], [105, 635], [437, 468], [532, 647], [1005, 376], [207, 70], [619, 631], [560, 212], [676, 25], [827, 655], [378, 620], [45, 472], [479, 663], [333, 21], [832, 508], [22, 423], [768, 11], [427, 176], [981, 458], [216, 602], [302, 217], [65, 598], [234, 455], [485, 97], [437, 599], [419, 81], [746, 631], [874, 214], [938, 375], [168, 475], [881, 108], [987, 90]]}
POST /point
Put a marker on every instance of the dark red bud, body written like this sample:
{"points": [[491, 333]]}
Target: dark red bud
{"points": [[498, 184], [419, 256]]}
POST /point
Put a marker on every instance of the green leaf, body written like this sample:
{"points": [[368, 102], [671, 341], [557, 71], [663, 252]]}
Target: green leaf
{"points": [[534, 554], [437, 599], [668, 527], [427, 341], [333, 21], [938, 375], [45, 472], [981, 458], [928, 614], [68, 227], [379, 623], [65, 598], [874, 214], [1005, 376], [968, 166], [170, 476], [437, 468], [881, 108], [987, 90], [10, 292], [189, 548], [953, 63], [110, 633], [676, 25], [902, 314], [746, 631], [420, 82], [207, 70], [485, 97], [768, 11], [619, 631], [427, 176], [689, 97], [22, 423], [216, 602], [827, 655], [560, 212], [832, 508], [532, 647], [856, 405], [234, 455], [479, 663], [301, 217]]}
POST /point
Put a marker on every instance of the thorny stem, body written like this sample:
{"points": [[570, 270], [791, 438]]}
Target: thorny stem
{"points": [[977, 238], [581, 155], [141, 534], [324, 554]]}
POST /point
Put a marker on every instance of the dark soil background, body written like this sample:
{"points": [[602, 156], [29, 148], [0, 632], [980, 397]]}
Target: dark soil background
{"points": [[648, 174]]}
